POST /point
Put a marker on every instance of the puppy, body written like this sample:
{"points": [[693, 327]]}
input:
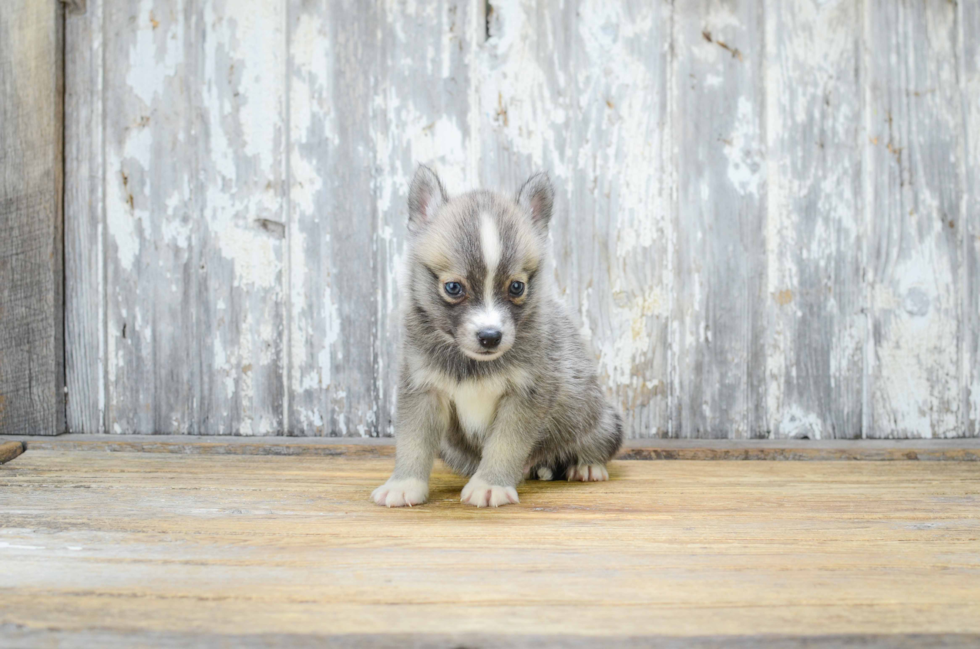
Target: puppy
{"points": [[494, 376]]}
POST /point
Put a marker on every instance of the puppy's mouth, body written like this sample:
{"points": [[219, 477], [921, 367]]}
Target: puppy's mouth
{"points": [[484, 355]]}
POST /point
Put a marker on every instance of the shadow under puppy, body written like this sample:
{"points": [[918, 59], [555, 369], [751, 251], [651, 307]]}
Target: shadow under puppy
{"points": [[494, 375]]}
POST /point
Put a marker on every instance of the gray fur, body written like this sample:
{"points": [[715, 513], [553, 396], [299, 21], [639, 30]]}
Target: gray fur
{"points": [[550, 410]]}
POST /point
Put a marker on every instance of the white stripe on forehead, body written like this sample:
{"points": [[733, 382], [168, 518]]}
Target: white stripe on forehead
{"points": [[490, 244]]}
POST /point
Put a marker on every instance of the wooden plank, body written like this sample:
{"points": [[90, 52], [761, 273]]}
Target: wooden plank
{"points": [[969, 36], [252, 546], [153, 204], [194, 174], [816, 329], [333, 341], [598, 124], [242, 183], [85, 297], [31, 265], [718, 335], [116, 639], [945, 450], [915, 218], [423, 103]]}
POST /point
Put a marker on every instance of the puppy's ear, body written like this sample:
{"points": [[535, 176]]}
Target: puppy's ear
{"points": [[424, 199], [538, 197]]}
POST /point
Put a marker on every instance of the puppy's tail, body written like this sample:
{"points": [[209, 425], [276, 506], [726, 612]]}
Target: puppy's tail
{"points": [[611, 432]]}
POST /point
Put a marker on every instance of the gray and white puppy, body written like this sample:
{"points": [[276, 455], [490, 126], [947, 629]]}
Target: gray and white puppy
{"points": [[494, 375]]}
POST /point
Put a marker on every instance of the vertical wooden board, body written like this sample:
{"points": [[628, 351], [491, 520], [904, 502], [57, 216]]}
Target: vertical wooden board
{"points": [[31, 269], [914, 219], [154, 358], [422, 116], [84, 223], [718, 333], [193, 180], [333, 292], [580, 91], [969, 37], [815, 299], [241, 188]]}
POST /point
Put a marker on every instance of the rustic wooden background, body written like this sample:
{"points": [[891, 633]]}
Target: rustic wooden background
{"points": [[768, 216], [31, 239]]}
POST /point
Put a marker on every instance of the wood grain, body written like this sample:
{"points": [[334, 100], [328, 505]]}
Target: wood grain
{"points": [[241, 157], [424, 103], [193, 178], [914, 220], [10, 450], [112, 639], [968, 20], [333, 224], [766, 218], [32, 377], [718, 334], [85, 291], [816, 329], [163, 544], [154, 250], [581, 91]]}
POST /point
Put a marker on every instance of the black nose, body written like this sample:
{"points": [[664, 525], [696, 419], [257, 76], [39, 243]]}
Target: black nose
{"points": [[489, 338]]}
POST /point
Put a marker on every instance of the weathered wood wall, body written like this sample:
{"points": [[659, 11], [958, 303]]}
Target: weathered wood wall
{"points": [[32, 377], [768, 221]]}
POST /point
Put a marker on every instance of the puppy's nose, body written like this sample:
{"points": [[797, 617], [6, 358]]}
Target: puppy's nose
{"points": [[489, 338]]}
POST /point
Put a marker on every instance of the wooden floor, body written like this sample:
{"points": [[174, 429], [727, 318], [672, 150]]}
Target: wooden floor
{"points": [[119, 549]]}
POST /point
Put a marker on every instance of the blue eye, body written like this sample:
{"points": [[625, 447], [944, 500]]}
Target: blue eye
{"points": [[453, 289], [516, 289]]}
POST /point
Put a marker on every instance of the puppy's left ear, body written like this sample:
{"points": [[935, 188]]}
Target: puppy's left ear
{"points": [[538, 197], [424, 198]]}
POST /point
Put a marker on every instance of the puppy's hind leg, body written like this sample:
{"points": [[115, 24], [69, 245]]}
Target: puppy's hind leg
{"points": [[423, 418], [595, 450]]}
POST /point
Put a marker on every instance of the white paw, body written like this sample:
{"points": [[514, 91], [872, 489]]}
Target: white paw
{"points": [[398, 493], [544, 473], [588, 473], [479, 493]]}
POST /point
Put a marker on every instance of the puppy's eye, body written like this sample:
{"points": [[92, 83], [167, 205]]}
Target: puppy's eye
{"points": [[453, 289], [516, 289]]}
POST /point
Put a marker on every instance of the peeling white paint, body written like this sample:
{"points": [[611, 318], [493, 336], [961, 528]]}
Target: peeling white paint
{"points": [[221, 188], [746, 166]]}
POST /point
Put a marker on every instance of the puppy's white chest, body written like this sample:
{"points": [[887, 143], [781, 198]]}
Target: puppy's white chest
{"points": [[476, 405]]}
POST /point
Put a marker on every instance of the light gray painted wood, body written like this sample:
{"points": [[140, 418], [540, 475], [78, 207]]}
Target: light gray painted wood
{"points": [[424, 103], [568, 91], [580, 90], [718, 336], [193, 175], [31, 288], [154, 355], [816, 329], [732, 231], [85, 291], [333, 345], [241, 173], [914, 218], [969, 37]]}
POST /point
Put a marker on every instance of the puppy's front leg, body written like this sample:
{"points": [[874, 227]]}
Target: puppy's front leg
{"points": [[422, 421], [512, 436]]}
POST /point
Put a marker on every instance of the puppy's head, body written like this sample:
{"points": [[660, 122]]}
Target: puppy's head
{"points": [[476, 261]]}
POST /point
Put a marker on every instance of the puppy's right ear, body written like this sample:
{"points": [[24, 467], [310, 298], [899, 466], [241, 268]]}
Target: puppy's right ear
{"points": [[424, 199]]}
